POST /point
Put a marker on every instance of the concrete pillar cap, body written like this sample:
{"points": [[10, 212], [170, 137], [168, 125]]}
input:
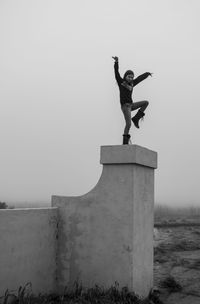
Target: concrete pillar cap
{"points": [[128, 154]]}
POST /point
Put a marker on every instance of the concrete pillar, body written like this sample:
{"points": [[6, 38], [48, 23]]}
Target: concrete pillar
{"points": [[106, 235]]}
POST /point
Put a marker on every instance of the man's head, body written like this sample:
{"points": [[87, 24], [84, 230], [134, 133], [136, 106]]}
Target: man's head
{"points": [[129, 76]]}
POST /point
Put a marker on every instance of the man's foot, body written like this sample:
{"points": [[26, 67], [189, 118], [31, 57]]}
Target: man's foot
{"points": [[126, 138], [137, 118]]}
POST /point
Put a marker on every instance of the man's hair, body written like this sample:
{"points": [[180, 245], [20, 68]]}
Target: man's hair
{"points": [[128, 72]]}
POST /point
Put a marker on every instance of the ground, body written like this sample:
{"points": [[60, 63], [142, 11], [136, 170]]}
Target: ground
{"points": [[177, 261]]}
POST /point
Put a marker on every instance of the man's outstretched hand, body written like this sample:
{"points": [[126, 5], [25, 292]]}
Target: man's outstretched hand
{"points": [[115, 58]]}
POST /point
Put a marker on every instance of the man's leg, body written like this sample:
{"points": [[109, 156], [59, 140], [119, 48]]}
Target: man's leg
{"points": [[141, 105], [126, 109]]}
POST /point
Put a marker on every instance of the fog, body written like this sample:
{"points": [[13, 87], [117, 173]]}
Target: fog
{"points": [[60, 101]]}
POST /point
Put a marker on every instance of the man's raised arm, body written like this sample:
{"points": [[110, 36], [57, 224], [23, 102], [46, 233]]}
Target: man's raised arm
{"points": [[141, 78], [116, 69]]}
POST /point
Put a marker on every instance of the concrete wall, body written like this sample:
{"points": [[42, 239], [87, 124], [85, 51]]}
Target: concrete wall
{"points": [[106, 235], [28, 249], [101, 237]]}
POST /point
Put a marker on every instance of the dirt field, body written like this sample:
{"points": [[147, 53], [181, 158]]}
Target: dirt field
{"points": [[177, 262]]}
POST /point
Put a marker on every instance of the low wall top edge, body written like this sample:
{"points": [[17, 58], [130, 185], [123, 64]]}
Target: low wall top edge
{"points": [[128, 154], [29, 209]]}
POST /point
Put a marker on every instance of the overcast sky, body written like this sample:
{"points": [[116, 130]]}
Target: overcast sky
{"points": [[60, 102]]}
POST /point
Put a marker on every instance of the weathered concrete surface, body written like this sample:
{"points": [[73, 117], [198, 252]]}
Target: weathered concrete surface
{"points": [[126, 154], [28, 249], [106, 235]]}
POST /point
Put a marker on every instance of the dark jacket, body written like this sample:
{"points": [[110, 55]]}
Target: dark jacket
{"points": [[125, 88]]}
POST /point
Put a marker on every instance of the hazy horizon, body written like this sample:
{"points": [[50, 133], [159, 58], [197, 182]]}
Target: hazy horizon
{"points": [[60, 101], [46, 204]]}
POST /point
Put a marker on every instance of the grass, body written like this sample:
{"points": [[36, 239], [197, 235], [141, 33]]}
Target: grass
{"points": [[195, 265], [196, 232], [76, 295], [182, 245], [170, 284], [164, 251]]}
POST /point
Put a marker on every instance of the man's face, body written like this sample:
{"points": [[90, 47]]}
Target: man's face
{"points": [[129, 78]]}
